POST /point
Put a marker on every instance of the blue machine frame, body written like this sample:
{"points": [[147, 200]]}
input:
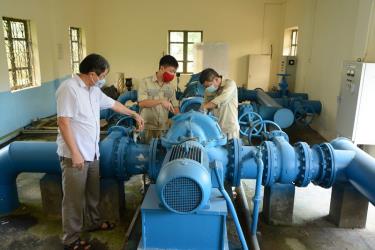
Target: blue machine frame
{"points": [[190, 164]]}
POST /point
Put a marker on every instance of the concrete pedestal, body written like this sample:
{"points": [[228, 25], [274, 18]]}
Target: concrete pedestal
{"points": [[112, 197], [278, 203], [348, 207]]}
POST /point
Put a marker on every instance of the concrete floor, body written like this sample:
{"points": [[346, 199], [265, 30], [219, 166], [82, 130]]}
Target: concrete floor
{"points": [[311, 230], [28, 228]]}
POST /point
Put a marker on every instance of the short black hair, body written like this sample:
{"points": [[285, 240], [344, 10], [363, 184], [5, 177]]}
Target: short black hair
{"points": [[208, 75], [93, 63], [168, 60]]}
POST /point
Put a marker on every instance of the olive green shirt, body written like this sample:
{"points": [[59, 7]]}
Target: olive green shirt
{"points": [[156, 118]]}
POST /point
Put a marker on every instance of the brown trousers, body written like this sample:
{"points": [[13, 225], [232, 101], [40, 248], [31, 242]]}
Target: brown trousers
{"points": [[81, 193]]}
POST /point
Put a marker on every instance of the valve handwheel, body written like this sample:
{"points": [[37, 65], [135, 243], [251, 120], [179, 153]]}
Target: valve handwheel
{"points": [[304, 115], [264, 134], [247, 120]]}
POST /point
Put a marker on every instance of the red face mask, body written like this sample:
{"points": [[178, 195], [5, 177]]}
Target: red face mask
{"points": [[167, 77]]}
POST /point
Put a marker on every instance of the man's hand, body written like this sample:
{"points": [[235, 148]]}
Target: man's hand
{"points": [[140, 121], [209, 105], [77, 160], [66, 132], [167, 105]]}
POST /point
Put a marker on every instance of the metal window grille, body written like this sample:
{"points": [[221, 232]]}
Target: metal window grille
{"points": [[180, 45], [19, 53], [75, 48]]}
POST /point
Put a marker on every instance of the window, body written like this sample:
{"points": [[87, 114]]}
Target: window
{"points": [[293, 42], [19, 53], [75, 48], [181, 44]]}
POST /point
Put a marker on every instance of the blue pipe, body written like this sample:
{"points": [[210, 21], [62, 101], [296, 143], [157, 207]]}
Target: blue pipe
{"points": [[277, 94], [19, 157], [124, 98], [218, 154], [246, 94], [41, 157], [128, 96], [361, 170], [232, 210], [282, 116], [248, 163], [257, 196]]}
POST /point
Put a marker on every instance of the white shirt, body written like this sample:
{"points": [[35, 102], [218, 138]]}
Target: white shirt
{"points": [[82, 104]]}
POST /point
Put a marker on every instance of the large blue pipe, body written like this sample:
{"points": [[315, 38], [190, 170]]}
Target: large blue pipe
{"points": [[18, 157], [278, 94], [246, 95], [361, 171], [124, 98], [120, 158], [321, 164]]}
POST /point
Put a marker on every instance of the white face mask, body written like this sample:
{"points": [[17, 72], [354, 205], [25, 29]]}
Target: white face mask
{"points": [[211, 89], [100, 83]]}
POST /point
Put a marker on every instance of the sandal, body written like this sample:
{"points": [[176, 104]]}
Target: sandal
{"points": [[104, 226], [78, 245]]}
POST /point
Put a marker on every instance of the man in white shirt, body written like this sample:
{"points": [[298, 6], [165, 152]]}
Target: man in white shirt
{"points": [[221, 97], [79, 100]]}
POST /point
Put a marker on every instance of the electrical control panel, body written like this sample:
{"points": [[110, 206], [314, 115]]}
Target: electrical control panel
{"points": [[356, 103], [289, 66]]}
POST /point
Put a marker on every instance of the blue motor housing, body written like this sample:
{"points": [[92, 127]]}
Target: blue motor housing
{"points": [[184, 182]]}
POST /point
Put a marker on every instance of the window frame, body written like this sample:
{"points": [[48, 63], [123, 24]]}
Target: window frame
{"points": [[80, 49], [185, 44], [12, 69], [293, 44]]}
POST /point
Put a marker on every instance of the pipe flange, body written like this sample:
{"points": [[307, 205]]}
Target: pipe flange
{"points": [[327, 166], [116, 159], [121, 172], [304, 166], [155, 148], [233, 147], [330, 175], [269, 152]]}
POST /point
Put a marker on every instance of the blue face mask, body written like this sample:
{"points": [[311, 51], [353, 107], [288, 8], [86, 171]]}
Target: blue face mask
{"points": [[211, 89], [100, 83]]}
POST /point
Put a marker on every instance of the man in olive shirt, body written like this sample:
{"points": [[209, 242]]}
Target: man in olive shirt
{"points": [[157, 97], [221, 97]]}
